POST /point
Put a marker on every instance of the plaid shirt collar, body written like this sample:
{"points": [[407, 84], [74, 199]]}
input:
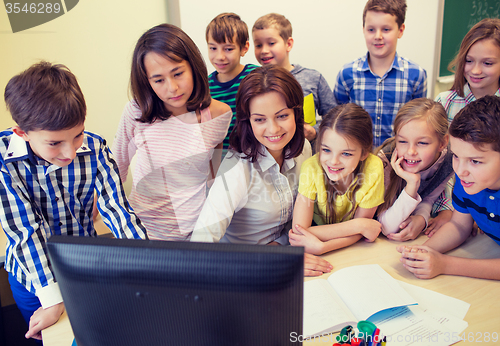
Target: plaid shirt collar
{"points": [[395, 64], [19, 150]]}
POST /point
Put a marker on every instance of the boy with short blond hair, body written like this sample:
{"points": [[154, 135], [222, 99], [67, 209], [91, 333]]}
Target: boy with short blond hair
{"points": [[272, 37], [381, 81], [475, 145], [227, 39], [49, 171]]}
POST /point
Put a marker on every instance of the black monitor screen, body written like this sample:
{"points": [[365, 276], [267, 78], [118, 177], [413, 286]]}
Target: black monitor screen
{"points": [[136, 292]]}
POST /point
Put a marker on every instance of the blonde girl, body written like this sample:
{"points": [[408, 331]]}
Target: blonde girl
{"points": [[341, 186], [417, 168], [172, 126]]}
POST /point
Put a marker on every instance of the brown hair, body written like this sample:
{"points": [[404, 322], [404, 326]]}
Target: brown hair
{"points": [[225, 26], [395, 8], [277, 21], [422, 108], [353, 122], [45, 97], [172, 43], [488, 28], [260, 81], [479, 123]]}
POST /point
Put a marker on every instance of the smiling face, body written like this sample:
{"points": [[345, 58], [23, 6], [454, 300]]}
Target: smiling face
{"points": [[476, 169], [57, 147], [273, 123], [482, 68], [381, 34], [171, 81], [225, 57], [419, 144], [339, 156], [270, 48]]}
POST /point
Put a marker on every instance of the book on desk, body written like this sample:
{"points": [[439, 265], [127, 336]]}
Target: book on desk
{"points": [[367, 292]]}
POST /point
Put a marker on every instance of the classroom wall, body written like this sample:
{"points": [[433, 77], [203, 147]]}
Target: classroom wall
{"points": [[95, 40], [327, 33]]}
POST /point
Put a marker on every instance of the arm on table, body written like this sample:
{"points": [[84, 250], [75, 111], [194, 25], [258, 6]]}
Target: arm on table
{"points": [[320, 239], [43, 318], [303, 213], [427, 261]]}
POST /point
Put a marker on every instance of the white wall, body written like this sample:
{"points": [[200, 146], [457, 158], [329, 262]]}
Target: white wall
{"points": [[327, 33], [95, 40]]}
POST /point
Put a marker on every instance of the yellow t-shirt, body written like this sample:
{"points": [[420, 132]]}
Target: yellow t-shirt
{"points": [[369, 195]]}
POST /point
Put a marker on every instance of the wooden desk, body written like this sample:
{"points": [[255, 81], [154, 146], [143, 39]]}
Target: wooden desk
{"points": [[483, 295]]}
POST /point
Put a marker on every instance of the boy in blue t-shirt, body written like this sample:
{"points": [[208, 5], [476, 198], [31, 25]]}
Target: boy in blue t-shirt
{"points": [[227, 39], [381, 81], [272, 38], [49, 171], [475, 144]]}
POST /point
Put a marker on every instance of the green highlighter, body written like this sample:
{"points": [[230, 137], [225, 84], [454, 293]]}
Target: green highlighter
{"points": [[365, 328]]}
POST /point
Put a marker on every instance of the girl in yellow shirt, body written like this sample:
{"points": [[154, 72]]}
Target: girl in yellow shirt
{"points": [[341, 186]]}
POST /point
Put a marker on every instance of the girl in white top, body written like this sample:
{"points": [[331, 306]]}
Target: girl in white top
{"points": [[252, 197], [417, 168], [174, 126]]}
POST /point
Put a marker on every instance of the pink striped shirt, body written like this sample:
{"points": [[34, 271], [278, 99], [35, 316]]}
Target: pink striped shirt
{"points": [[172, 167]]}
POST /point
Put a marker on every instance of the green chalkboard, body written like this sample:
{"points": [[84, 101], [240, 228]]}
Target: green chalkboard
{"points": [[459, 17]]}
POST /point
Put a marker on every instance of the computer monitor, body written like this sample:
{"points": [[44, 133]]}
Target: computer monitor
{"points": [[137, 292]]}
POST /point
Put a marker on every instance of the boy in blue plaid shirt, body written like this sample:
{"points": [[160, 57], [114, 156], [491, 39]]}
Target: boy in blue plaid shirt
{"points": [[381, 81], [49, 171]]}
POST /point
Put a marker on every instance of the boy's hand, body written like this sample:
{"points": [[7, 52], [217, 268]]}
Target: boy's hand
{"points": [[299, 236], [436, 223], [422, 261], [309, 132], [315, 266], [43, 318], [409, 229], [412, 179]]}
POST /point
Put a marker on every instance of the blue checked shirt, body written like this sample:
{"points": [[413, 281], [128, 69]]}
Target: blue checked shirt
{"points": [[40, 199], [381, 97]]}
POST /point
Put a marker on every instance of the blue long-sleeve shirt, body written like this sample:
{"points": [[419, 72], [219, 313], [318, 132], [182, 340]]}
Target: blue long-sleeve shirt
{"points": [[39, 199], [381, 97]]}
